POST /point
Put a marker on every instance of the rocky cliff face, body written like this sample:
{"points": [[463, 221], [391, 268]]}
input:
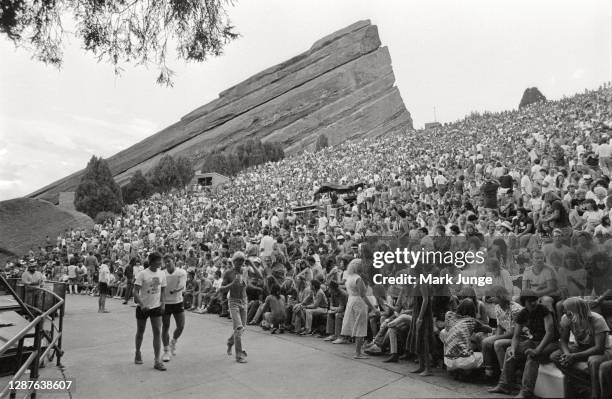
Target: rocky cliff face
{"points": [[531, 95], [342, 87]]}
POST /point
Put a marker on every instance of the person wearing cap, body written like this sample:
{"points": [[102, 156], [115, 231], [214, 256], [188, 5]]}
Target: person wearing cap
{"points": [[235, 284]]}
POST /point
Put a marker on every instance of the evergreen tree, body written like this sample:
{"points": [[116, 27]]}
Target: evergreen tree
{"points": [[98, 191], [138, 188], [251, 152], [185, 171], [165, 175]]}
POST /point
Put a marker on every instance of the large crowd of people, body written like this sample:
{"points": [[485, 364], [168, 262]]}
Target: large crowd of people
{"points": [[531, 189]]}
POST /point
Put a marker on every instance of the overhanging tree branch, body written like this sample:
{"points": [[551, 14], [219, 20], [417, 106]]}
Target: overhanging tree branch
{"points": [[120, 31]]}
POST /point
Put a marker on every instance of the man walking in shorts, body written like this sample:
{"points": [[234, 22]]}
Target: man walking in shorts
{"points": [[149, 295], [176, 280], [234, 284]]}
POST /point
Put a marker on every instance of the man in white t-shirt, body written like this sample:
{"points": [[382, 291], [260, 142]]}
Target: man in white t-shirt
{"points": [[176, 280], [149, 295], [103, 290]]}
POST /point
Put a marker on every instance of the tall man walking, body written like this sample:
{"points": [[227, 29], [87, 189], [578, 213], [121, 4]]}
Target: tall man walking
{"points": [[149, 294], [234, 284], [176, 280]]}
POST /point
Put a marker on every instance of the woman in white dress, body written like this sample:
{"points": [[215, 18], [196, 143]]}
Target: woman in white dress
{"points": [[355, 323]]}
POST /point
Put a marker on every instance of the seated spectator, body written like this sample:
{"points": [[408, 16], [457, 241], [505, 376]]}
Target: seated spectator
{"points": [[335, 314], [571, 277], [305, 298], [541, 279], [459, 328], [191, 287], [592, 346], [274, 310], [605, 379], [534, 339], [317, 307], [494, 347], [393, 326], [481, 309]]}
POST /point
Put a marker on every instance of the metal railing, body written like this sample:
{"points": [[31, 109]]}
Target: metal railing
{"points": [[35, 329]]}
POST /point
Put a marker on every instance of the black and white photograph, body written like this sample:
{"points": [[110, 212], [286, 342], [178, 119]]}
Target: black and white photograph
{"points": [[290, 199]]}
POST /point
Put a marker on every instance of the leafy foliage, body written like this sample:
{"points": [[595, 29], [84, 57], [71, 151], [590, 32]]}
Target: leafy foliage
{"points": [[97, 191], [138, 188], [250, 153], [170, 173], [121, 31], [184, 170], [322, 142], [103, 217]]}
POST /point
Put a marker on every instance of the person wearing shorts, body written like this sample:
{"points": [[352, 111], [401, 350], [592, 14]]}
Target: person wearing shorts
{"points": [[176, 280], [149, 295], [72, 278], [103, 289]]}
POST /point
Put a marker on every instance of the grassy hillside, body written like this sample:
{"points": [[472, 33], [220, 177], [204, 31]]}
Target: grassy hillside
{"points": [[25, 222]]}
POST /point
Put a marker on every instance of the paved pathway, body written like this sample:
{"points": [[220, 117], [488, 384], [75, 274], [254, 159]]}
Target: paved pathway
{"points": [[99, 358]]}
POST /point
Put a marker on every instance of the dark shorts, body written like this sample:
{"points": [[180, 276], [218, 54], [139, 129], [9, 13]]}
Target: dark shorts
{"points": [[173, 308], [103, 289], [144, 314], [72, 280]]}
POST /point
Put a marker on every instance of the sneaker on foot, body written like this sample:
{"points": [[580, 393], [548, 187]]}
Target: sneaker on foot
{"points": [[138, 358], [499, 389], [340, 341], [166, 357], [241, 360], [394, 358], [330, 338], [373, 350], [173, 347], [159, 366]]}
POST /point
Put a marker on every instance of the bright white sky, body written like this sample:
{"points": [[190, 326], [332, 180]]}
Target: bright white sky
{"points": [[457, 56]]}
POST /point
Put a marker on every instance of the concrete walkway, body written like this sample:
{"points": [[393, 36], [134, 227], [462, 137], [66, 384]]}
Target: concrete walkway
{"points": [[100, 350]]}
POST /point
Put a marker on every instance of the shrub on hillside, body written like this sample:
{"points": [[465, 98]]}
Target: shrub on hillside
{"points": [[103, 217], [138, 188], [98, 192], [185, 171], [170, 173], [250, 153]]}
